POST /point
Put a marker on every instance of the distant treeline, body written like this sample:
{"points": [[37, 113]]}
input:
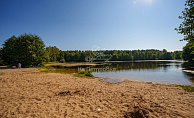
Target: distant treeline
{"points": [[30, 51], [54, 54]]}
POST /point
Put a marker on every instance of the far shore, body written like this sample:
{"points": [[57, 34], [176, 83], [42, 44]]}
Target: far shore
{"points": [[70, 64], [150, 60], [27, 92]]}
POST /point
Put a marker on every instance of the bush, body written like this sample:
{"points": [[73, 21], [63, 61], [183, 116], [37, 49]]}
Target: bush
{"points": [[86, 73], [1, 61], [89, 74], [82, 72], [62, 61]]}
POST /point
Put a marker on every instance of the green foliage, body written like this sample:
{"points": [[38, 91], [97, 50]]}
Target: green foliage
{"points": [[187, 26], [83, 73], [187, 52], [89, 74], [62, 60], [187, 29], [187, 88], [54, 54], [128, 55], [177, 55], [49, 67], [26, 49], [1, 61]]}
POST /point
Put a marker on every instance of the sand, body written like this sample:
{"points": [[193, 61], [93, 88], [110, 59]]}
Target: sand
{"points": [[30, 93], [71, 64]]}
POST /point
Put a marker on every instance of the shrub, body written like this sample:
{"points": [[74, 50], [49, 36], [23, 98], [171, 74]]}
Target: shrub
{"points": [[89, 73], [86, 73], [62, 61], [82, 72]]}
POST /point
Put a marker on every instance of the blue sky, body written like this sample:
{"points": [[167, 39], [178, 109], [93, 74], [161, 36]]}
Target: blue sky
{"points": [[83, 24]]}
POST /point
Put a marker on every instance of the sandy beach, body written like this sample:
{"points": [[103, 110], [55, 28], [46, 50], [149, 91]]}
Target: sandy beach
{"points": [[71, 64], [30, 93]]}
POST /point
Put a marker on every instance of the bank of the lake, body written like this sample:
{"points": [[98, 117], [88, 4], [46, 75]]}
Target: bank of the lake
{"points": [[31, 93]]}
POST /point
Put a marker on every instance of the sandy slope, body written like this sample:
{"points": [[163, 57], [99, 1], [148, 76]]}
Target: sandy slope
{"points": [[30, 93]]}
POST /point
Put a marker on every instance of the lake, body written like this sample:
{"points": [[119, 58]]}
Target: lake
{"points": [[173, 72]]}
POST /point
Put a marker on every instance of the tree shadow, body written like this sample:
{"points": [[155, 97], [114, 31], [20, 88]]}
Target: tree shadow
{"points": [[5, 67]]}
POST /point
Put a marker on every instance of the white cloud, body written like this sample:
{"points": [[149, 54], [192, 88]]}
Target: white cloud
{"points": [[175, 50]]}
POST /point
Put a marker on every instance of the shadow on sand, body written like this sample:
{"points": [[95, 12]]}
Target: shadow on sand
{"points": [[5, 67]]}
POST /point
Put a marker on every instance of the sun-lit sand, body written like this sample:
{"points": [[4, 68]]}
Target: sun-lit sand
{"points": [[71, 64], [30, 93]]}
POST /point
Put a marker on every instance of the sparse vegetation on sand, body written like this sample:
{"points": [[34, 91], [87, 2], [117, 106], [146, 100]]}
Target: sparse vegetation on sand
{"points": [[87, 74], [82, 73], [187, 88]]}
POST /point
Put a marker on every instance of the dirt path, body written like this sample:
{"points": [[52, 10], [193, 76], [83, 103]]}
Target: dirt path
{"points": [[30, 93]]}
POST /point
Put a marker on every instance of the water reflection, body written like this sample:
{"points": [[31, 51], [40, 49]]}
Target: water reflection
{"points": [[188, 70], [188, 65], [154, 71], [139, 65]]}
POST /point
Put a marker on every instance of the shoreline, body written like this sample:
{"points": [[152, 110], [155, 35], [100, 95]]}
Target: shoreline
{"points": [[69, 64], [149, 61], [148, 82], [28, 92]]}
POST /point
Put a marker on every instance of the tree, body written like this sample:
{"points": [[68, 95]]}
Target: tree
{"points": [[177, 55], [1, 61], [26, 49], [53, 54], [62, 60], [187, 26], [186, 54], [135, 54], [83, 56], [187, 29]]}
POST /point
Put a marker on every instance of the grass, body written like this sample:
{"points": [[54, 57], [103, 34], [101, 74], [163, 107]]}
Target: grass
{"points": [[44, 67], [84, 74], [187, 88], [48, 69], [51, 62]]}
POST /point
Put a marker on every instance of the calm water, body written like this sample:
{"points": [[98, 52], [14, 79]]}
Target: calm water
{"points": [[155, 71]]}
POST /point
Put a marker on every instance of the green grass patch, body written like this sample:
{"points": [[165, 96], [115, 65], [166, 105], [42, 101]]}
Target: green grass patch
{"points": [[44, 67], [50, 69], [187, 88], [84, 74], [52, 62]]}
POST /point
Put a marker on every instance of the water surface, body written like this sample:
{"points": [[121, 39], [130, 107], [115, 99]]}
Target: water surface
{"points": [[174, 72]]}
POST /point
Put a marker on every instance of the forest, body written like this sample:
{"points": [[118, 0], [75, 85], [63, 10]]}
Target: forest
{"points": [[30, 50], [54, 54]]}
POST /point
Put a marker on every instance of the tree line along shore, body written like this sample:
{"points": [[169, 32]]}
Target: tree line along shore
{"points": [[30, 50]]}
